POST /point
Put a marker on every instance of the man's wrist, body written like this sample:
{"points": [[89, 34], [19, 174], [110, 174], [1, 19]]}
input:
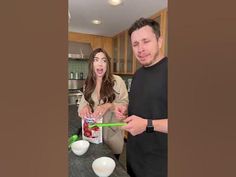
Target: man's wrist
{"points": [[149, 127]]}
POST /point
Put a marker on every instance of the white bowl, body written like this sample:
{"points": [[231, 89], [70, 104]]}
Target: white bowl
{"points": [[80, 147], [103, 166]]}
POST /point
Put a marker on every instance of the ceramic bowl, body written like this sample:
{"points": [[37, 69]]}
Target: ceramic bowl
{"points": [[80, 147], [103, 166]]}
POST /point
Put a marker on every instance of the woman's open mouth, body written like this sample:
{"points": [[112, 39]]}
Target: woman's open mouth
{"points": [[99, 71]]}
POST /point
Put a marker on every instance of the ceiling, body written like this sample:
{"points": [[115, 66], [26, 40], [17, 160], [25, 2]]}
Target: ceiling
{"points": [[114, 18]]}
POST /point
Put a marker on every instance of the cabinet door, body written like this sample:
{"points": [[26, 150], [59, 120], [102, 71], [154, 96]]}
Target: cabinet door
{"points": [[115, 53], [161, 18], [97, 42], [119, 53], [130, 59], [165, 33], [107, 45], [122, 52]]}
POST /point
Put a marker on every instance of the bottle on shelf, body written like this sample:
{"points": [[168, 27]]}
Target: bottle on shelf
{"points": [[71, 75]]}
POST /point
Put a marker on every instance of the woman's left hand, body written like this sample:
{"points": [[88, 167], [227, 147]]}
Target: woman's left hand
{"points": [[101, 110]]}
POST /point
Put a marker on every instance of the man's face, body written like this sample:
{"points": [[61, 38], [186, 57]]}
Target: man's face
{"points": [[145, 46]]}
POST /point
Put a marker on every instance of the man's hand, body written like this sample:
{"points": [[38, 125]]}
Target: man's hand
{"points": [[135, 125]]}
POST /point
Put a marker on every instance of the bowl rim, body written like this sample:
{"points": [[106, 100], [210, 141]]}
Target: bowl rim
{"points": [[80, 150], [111, 160], [81, 141], [106, 173]]}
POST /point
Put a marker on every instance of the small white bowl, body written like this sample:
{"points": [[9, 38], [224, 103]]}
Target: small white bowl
{"points": [[80, 147], [103, 166]]}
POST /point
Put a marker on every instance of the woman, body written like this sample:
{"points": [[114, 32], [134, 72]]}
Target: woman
{"points": [[102, 92]]}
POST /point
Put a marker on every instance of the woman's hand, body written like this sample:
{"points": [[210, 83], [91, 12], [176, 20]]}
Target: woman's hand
{"points": [[85, 112], [101, 110], [120, 111]]}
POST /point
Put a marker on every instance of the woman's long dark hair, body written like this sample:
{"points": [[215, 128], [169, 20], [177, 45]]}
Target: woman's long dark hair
{"points": [[107, 93]]}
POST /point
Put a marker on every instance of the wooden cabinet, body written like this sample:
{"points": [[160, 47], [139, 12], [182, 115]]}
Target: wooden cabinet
{"points": [[161, 18], [119, 56], [115, 54], [124, 60], [95, 41], [122, 54]]}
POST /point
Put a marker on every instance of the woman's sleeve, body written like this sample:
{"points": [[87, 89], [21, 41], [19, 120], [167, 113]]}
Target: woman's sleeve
{"points": [[82, 103], [120, 88]]}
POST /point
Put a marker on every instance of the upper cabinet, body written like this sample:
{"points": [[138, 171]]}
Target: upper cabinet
{"points": [[162, 19], [95, 41], [122, 54], [124, 62]]}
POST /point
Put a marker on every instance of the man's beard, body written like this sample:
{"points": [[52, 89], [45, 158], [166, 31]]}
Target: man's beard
{"points": [[152, 61]]}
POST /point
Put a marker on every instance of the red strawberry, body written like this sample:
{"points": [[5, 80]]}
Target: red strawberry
{"points": [[87, 133], [85, 124], [95, 128]]}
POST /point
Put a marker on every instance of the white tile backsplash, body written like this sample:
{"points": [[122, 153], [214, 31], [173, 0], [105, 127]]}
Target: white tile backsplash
{"points": [[78, 66]]}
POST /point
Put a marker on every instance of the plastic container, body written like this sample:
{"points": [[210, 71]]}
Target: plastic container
{"points": [[71, 75]]}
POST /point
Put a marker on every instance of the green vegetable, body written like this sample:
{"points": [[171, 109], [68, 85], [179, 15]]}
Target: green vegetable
{"points": [[72, 139]]}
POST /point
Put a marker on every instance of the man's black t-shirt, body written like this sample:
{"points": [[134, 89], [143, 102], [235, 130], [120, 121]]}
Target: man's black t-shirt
{"points": [[147, 152]]}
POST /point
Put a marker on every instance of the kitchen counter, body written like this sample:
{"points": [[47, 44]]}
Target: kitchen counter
{"points": [[74, 122], [81, 166]]}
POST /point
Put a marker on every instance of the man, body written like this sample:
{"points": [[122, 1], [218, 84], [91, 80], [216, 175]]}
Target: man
{"points": [[147, 123]]}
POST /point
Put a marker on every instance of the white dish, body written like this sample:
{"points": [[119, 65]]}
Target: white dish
{"points": [[80, 147], [103, 166]]}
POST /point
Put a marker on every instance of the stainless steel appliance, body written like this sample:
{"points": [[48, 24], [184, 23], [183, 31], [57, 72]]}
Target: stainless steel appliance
{"points": [[74, 91], [74, 97], [75, 84], [79, 50]]}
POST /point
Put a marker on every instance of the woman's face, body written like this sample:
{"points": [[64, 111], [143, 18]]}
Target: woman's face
{"points": [[100, 64]]}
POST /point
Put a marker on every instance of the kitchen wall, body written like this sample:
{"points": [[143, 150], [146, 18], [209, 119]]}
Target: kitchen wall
{"points": [[126, 78], [79, 66]]}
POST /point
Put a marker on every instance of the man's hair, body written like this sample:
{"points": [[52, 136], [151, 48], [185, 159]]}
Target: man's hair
{"points": [[145, 22]]}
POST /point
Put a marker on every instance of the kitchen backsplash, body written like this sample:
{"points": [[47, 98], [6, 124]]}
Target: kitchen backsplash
{"points": [[127, 79], [78, 66]]}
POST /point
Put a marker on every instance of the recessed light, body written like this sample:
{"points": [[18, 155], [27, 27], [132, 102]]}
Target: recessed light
{"points": [[96, 22], [115, 2]]}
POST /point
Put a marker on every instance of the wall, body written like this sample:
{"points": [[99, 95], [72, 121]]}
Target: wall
{"points": [[79, 66]]}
